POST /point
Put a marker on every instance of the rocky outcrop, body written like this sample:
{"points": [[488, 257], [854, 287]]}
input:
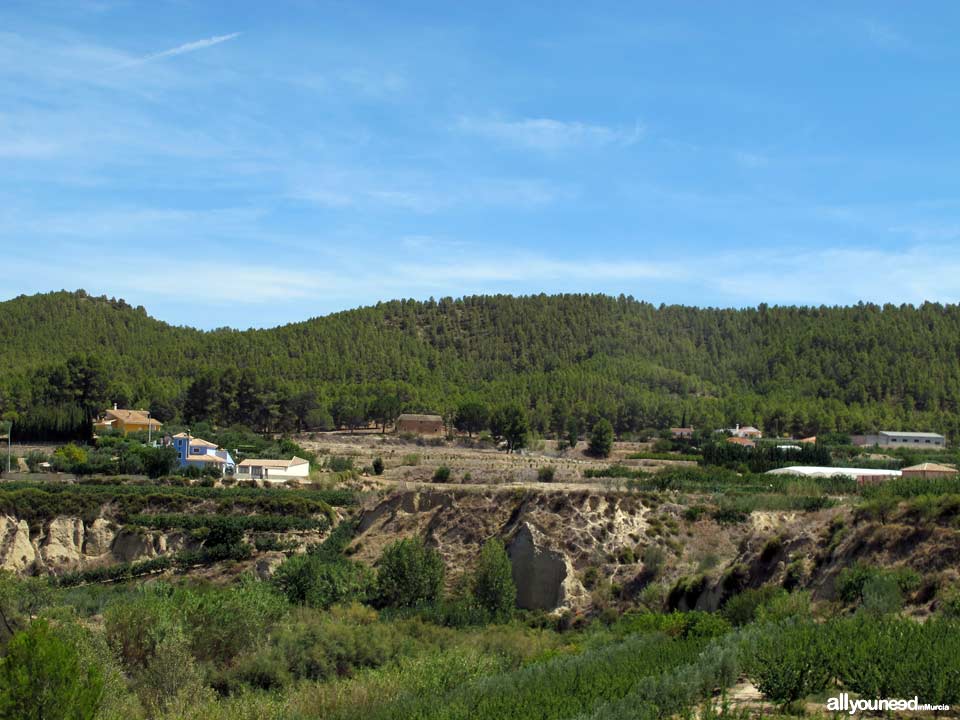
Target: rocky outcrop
{"points": [[99, 538], [544, 577], [17, 553], [132, 545], [62, 547], [268, 564]]}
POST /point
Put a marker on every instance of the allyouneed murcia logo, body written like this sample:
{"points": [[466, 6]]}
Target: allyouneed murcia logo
{"points": [[843, 703]]}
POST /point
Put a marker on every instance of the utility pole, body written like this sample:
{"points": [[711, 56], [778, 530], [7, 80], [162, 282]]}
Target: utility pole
{"points": [[149, 428], [9, 434]]}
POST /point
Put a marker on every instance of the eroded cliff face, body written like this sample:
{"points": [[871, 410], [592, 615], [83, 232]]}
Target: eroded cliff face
{"points": [[67, 543], [565, 545], [17, 553], [551, 537]]}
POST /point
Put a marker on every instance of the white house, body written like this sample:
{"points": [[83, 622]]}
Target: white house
{"points": [[746, 431], [273, 470]]}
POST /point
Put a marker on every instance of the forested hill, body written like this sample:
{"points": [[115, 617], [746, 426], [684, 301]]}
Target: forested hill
{"points": [[786, 368]]}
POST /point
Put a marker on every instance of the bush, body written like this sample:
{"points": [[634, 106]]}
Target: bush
{"points": [[34, 458], [881, 595], [441, 474], [789, 661], [851, 581], [312, 580], [42, 678], [409, 574], [546, 473], [654, 559], [336, 464], [378, 465], [601, 438], [223, 622], [493, 587], [315, 646], [741, 609]]}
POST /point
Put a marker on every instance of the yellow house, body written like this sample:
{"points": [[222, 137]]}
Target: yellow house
{"points": [[126, 421]]}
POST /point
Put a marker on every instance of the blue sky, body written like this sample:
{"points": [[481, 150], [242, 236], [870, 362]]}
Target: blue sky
{"points": [[254, 163]]}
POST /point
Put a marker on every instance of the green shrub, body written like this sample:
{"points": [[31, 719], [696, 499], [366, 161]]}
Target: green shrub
{"points": [[741, 609], [413, 459], [409, 574], [221, 623], [378, 465], [441, 474], [787, 662], [492, 586], [546, 473], [319, 646], [881, 594], [889, 656], [337, 463], [42, 678], [601, 438], [318, 582], [654, 559], [851, 581]]}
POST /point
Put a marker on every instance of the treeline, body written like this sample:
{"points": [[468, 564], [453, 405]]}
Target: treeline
{"points": [[803, 371]]}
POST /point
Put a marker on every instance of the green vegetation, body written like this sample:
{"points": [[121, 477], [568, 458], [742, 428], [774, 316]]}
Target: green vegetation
{"points": [[803, 371], [409, 574], [493, 587], [601, 438]]}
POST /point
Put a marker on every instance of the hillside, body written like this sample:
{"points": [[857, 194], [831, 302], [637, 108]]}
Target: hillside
{"points": [[785, 368]]}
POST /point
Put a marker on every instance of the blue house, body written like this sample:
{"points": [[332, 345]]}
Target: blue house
{"points": [[192, 451]]}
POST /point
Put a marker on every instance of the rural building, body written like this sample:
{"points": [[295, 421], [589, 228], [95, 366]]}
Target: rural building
{"points": [[747, 431], [812, 440], [193, 451], [126, 421], [895, 439], [861, 475], [929, 471], [420, 424], [273, 470], [742, 441], [685, 433]]}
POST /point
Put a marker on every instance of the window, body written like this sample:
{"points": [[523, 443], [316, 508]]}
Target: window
{"points": [[195, 451]]}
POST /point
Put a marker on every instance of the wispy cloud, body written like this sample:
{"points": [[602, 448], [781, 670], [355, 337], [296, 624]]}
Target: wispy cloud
{"points": [[547, 134], [884, 36], [424, 193], [182, 49]]}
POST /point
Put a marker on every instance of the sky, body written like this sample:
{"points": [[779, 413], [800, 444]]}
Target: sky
{"points": [[251, 163]]}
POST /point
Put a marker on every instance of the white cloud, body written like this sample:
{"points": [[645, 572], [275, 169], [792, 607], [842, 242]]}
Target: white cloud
{"points": [[838, 275], [750, 160], [424, 194], [549, 135], [884, 36], [185, 48]]}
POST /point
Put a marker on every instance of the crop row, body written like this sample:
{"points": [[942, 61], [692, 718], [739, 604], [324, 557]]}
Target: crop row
{"points": [[559, 688], [254, 523]]}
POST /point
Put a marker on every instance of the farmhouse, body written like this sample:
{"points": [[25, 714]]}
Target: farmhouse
{"points": [[420, 424], [126, 421], [273, 470], [895, 439], [682, 433], [742, 441], [929, 471], [746, 431]]}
